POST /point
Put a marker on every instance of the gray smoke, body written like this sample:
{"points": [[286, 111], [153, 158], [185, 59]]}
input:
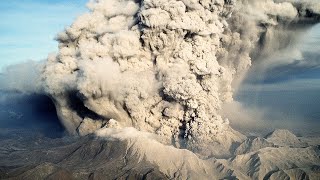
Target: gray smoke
{"points": [[166, 66], [23, 104], [23, 78]]}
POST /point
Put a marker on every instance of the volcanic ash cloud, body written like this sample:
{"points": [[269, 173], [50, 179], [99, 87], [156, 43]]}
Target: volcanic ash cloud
{"points": [[164, 67]]}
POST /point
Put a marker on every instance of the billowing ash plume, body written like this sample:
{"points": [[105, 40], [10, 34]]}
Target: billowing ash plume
{"points": [[166, 66]]}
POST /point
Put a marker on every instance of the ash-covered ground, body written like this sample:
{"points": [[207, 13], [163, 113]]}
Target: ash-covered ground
{"points": [[129, 154]]}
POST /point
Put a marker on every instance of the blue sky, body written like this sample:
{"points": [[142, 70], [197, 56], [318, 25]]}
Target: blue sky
{"points": [[28, 27]]}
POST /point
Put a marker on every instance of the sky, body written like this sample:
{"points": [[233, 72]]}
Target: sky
{"points": [[28, 27]]}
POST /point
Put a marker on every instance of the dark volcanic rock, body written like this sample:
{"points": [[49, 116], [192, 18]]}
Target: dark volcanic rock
{"points": [[74, 158]]}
